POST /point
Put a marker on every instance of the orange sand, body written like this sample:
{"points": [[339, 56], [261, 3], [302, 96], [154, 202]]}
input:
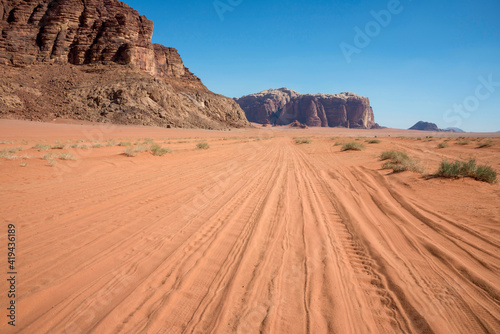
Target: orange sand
{"points": [[255, 234]]}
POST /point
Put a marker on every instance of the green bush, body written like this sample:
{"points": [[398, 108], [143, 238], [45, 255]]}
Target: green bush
{"points": [[443, 145], [400, 162], [469, 168], [352, 146], [463, 142], [124, 143], [157, 150], [394, 156], [486, 174], [373, 141], [300, 140], [202, 146]]}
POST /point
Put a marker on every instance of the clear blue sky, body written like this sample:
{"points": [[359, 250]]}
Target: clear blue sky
{"points": [[419, 63]]}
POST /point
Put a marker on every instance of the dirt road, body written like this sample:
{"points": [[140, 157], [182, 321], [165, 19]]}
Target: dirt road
{"points": [[252, 235]]}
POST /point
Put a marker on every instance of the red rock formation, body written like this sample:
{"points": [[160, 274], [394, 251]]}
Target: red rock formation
{"points": [[82, 32], [87, 33], [284, 106]]}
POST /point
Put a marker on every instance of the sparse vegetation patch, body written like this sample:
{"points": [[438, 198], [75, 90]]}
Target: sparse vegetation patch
{"points": [[66, 156], [352, 146], [157, 150], [202, 146], [443, 145], [400, 162], [485, 144], [302, 140], [41, 147], [469, 168]]}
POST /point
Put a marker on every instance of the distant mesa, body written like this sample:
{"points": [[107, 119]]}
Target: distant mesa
{"points": [[94, 60], [426, 126], [452, 129], [285, 106]]}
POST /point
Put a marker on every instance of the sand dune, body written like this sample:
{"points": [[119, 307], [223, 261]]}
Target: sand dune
{"points": [[255, 234]]}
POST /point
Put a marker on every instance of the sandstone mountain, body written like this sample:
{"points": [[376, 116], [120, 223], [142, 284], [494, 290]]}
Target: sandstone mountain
{"points": [[426, 126], [284, 106], [94, 60]]}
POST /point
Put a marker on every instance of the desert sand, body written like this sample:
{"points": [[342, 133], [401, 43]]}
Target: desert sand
{"points": [[256, 234]]}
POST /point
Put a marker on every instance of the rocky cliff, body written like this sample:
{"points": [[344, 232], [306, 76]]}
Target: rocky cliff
{"points": [[284, 106], [85, 53]]}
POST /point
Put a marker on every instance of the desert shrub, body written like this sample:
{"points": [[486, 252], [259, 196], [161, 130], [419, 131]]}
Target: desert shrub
{"points": [[469, 168], [352, 146], [463, 142], [485, 144], [131, 152], [73, 146], [400, 162], [16, 149], [47, 156], [58, 146], [5, 154], [202, 146], [41, 147], [486, 174], [124, 143], [96, 146], [393, 155], [373, 141], [406, 165], [24, 164], [157, 150], [302, 140], [66, 156], [443, 145], [338, 144]]}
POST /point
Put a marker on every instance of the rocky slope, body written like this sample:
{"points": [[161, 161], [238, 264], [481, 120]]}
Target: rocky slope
{"points": [[284, 106], [96, 60]]}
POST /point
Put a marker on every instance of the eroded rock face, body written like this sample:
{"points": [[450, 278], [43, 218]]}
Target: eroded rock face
{"points": [[68, 34], [82, 32], [284, 106]]}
